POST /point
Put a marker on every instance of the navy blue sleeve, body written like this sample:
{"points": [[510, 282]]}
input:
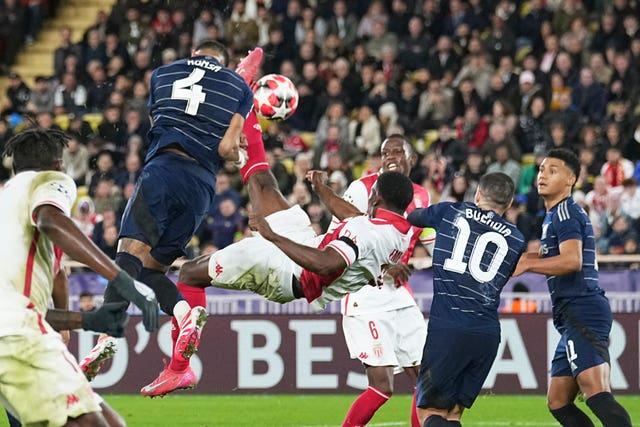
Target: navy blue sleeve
{"points": [[567, 227], [152, 84], [428, 217], [246, 102]]}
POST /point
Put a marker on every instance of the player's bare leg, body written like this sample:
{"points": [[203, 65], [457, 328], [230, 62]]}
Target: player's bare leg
{"points": [[560, 397], [595, 385]]}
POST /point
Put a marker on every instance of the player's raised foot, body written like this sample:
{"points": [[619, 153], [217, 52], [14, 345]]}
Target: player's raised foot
{"points": [[248, 67], [190, 331], [169, 381], [104, 350]]}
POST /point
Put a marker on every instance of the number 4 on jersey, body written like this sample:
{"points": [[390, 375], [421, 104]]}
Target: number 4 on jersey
{"points": [[191, 92]]}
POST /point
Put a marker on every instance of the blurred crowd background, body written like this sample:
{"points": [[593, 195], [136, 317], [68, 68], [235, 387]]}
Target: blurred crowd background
{"points": [[478, 85]]}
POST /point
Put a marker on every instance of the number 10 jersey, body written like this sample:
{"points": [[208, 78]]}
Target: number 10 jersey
{"points": [[474, 255]]}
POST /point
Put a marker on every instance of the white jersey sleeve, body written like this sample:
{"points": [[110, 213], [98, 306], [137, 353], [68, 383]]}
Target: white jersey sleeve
{"points": [[52, 188]]}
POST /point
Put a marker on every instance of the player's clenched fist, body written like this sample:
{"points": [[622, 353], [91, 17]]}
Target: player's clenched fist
{"points": [[259, 224]]}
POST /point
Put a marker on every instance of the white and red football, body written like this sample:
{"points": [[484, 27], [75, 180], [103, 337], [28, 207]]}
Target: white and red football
{"points": [[275, 97]]}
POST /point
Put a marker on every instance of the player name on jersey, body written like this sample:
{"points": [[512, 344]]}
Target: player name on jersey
{"points": [[487, 219], [203, 63]]}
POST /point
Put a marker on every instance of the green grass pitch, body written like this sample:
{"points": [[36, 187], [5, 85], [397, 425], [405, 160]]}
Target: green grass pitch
{"points": [[184, 409]]}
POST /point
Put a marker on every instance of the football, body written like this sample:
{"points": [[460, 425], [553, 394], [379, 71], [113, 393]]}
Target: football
{"points": [[275, 97]]}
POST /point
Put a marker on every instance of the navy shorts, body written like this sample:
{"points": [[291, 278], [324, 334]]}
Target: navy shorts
{"points": [[454, 366], [172, 196], [584, 325]]}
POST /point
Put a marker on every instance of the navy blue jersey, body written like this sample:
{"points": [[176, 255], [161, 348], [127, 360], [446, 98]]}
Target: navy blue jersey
{"points": [[567, 221], [192, 101], [475, 253]]}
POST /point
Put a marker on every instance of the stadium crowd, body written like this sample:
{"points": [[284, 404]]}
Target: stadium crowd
{"points": [[479, 86]]}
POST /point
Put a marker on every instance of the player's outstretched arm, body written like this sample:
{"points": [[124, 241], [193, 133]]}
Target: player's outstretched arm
{"points": [[110, 319], [338, 207], [321, 261], [63, 232]]}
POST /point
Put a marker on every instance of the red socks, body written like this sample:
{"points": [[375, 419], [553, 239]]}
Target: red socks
{"points": [[195, 297], [414, 412], [255, 151], [364, 407]]}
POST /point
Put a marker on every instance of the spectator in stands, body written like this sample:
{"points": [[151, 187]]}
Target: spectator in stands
{"points": [[113, 129], [620, 232], [131, 171], [617, 168], [70, 96], [472, 129], [224, 190], [342, 23], [75, 158], [629, 205], [519, 305], [559, 136], [601, 202], [93, 48], [457, 190], [79, 128], [625, 81], [277, 49], [86, 301], [107, 196], [589, 169], [501, 39], [502, 113], [85, 216], [498, 135], [221, 228], [567, 116], [436, 105], [414, 47], [66, 48], [241, 30], [42, 96], [103, 232], [505, 164], [365, 133], [18, 95], [334, 115], [448, 146], [443, 58], [46, 120], [136, 125], [528, 90], [589, 98], [98, 89], [531, 132], [12, 29]]}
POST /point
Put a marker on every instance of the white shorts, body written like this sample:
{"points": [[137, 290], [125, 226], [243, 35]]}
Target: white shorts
{"points": [[40, 381], [389, 338], [257, 265]]}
